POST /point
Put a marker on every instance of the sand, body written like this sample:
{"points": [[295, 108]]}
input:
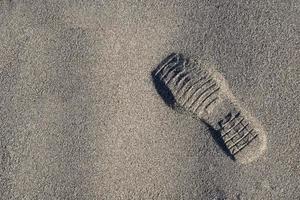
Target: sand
{"points": [[81, 118]]}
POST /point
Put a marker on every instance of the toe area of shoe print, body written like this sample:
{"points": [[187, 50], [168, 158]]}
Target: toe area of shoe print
{"points": [[204, 92], [193, 87]]}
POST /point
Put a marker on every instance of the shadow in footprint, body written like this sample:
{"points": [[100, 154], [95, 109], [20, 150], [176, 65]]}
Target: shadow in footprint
{"points": [[216, 134], [163, 91], [160, 86]]}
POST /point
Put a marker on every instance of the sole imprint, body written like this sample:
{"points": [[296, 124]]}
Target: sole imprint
{"points": [[204, 92]]}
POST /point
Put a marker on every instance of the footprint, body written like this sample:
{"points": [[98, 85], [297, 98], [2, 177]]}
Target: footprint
{"points": [[191, 86]]}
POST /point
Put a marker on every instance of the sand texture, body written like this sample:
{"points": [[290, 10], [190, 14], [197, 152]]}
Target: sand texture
{"points": [[81, 118]]}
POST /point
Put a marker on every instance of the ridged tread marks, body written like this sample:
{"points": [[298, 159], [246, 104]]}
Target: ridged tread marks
{"points": [[192, 87], [174, 60], [236, 132]]}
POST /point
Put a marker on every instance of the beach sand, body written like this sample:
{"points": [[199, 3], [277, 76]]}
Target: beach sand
{"points": [[81, 118]]}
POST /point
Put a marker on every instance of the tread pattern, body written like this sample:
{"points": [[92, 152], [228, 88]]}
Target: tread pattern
{"points": [[236, 132], [193, 88]]}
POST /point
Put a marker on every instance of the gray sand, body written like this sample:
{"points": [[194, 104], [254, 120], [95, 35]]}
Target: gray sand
{"points": [[81, 119]]}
